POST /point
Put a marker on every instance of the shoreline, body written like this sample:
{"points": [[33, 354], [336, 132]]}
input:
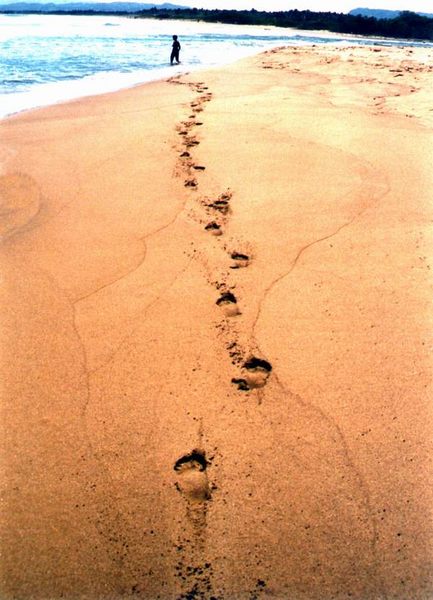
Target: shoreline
{"points": [[217, 334], [51, 93]]}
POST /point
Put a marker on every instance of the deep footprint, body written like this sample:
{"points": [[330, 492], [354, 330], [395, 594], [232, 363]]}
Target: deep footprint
{"points": [[239, 260], [192, 480], [190, 183], [228, 303], [227, 297], [256, 372], [220, 205], [258, 363], [214, 228]]}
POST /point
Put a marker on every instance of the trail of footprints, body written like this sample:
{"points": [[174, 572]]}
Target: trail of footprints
{"points": [[254, 371], [191, 469]]}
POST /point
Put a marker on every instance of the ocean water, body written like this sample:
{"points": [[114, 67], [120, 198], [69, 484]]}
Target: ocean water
{"points": [[52, 58]]}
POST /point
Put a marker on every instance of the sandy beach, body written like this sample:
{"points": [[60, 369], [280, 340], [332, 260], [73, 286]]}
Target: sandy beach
{"points": [[217, 335]]}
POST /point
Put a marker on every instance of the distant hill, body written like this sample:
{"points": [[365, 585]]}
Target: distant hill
{"points": [[377, 13], [100, 7]]}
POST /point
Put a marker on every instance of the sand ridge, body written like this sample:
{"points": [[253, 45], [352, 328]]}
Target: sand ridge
{"points": [[216, 335]]}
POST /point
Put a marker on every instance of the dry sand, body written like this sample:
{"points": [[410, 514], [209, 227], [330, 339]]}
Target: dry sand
{"points": [[132, 464]]}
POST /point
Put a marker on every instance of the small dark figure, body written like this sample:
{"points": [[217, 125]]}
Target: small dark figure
{"points": [[175, 50]]}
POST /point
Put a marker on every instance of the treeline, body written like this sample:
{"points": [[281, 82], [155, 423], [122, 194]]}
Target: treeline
{"points": [[407, 25]]}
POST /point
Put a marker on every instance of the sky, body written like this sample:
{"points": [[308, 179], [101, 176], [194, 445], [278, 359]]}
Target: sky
{"points": [[341, 6]]}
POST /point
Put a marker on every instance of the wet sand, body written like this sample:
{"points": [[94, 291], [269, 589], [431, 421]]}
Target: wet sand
{"points": [[216, 321]]}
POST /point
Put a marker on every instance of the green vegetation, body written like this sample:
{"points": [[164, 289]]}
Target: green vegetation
{"points": [[406, 25]]}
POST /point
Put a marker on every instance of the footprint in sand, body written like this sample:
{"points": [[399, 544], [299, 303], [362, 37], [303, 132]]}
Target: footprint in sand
{"points": [[192, 480], [192, 183], [214, 228], [191, 143], [228, 303], [220, 205], [256, 372], [239, 260]]}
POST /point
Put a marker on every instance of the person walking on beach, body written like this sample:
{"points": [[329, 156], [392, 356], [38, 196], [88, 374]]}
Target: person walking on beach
{"points": [[175, 50]]}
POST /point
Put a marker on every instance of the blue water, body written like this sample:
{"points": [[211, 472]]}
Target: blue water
{"points": [[51, 58]]}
